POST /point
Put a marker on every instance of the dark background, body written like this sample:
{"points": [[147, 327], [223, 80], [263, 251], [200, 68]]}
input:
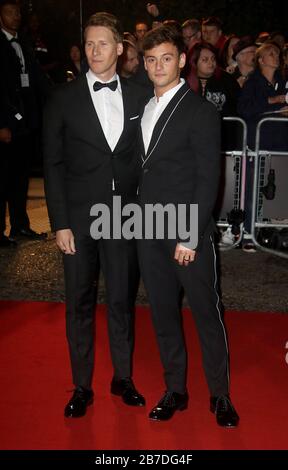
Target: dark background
{"points": [[60, 18]]}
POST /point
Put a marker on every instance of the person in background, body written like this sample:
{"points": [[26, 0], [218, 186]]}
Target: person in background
{"points": [[212, 32], [213, 83], [128, 62], [264, 92], [40, 46], [141, 29], [261, 38], [226, 60], [74, 65], [191, 31], [244, 55], [23, 87], [278, 38]]}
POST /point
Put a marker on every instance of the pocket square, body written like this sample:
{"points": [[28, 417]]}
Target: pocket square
{"points": [[134, 117]]}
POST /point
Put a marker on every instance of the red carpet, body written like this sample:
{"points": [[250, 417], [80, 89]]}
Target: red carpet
{"points": [[35, 377]]}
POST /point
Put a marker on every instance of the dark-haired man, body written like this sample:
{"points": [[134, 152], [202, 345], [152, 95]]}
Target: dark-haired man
{"points": [[180, 156], [22, 88], [212, 32], [89, 137]]}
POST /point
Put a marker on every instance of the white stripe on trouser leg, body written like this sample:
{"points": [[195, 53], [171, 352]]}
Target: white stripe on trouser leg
{"points": [[219, 313]]}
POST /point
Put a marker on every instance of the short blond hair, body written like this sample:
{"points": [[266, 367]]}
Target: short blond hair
{"points": [[263, 49], [108, 21]]}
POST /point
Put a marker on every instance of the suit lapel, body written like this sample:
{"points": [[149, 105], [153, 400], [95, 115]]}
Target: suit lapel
{"points": [[127, 108], [163, 120], [91, 115]]}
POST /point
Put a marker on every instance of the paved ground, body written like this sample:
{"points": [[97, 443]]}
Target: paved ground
{"points": [[33, 270]]}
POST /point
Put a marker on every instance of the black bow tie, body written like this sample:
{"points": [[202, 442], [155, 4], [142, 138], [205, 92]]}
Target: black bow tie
{"points": [[112, 85], [14, 40]]}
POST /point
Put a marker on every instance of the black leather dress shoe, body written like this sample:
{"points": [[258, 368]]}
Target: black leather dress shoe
{"points": [[5, 242], [26, 234], [224, 410], [169, 403], [77, 406], [126, 389]]}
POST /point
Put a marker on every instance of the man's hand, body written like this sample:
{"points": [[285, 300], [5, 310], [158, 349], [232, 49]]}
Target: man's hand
{"points": [[278, 99], [184, 255], [5, 135], [65, 241], [152, 9], [284, 110]]}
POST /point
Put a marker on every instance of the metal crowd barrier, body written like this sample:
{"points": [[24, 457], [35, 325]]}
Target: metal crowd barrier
{"points": [[258, 221], [239, 169]]}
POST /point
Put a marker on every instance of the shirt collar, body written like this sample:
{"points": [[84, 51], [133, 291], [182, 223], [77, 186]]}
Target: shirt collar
{"points": [[9, 36], [168, 95]]}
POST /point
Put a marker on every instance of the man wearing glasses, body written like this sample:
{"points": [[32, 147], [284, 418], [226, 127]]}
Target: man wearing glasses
{"points": [[191, 32]]}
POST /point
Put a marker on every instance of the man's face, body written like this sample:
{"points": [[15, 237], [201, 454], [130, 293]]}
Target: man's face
{"points": [[163, 64], [10, 18], [132, 62], [247, 56], [140, 30], [211, 34], [102, 51], [189, 36]]}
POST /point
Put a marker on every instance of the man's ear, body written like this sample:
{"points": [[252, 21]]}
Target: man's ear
{"points": [[182, 60], [145, 66], [119, 48]]}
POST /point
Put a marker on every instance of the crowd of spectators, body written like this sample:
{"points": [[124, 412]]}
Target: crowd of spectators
{"points": [[241, 76]]}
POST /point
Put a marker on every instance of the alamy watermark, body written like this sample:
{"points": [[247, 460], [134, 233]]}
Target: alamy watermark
{"points": [[153, 221]]}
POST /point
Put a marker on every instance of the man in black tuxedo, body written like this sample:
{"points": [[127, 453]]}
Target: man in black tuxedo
{"points": [[180, 152], [90, 127], [22, 88]]}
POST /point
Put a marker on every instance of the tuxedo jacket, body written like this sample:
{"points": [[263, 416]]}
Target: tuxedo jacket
{"points": [[79, 166], [182, 163], [13, 98]]}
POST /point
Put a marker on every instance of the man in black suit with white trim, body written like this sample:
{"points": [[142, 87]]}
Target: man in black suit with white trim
{"points": [[90, 127], [180, 155]]}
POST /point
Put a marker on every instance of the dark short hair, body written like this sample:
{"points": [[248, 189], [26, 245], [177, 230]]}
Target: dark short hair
{"points": [[7, 2], [212, 21], [108, 21], [192, 23], [198, 48], [174, 24], [164, 33]]}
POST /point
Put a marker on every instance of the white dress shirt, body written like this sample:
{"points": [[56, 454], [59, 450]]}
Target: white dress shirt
{"points": [[153, 110], [108, 105], [17, 48]]}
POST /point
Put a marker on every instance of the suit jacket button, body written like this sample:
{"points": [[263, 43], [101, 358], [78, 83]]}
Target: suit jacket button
{"points": [[145, 170]]}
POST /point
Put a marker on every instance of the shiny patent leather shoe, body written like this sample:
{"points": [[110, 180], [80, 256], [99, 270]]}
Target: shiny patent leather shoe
{"points": [[169, 403], [225, 412], [77, 406], [5, 242], [26, 234], [126, 389]]}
